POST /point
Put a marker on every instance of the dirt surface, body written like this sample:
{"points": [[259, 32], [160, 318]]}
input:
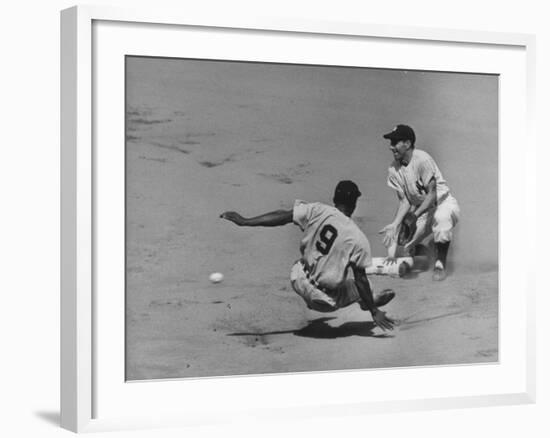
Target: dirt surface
{"points": [[211, 330], [205, 138]]}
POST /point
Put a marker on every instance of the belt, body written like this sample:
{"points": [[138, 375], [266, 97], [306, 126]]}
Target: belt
{"points": [[438, 201]]}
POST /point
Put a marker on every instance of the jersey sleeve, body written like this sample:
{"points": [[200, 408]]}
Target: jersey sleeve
{"points": [[301, 213], [361, 256], [427, 170], [393, 182]]}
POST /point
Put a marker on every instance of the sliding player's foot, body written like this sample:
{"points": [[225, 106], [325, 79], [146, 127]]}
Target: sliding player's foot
{"points": [[383, 297]]}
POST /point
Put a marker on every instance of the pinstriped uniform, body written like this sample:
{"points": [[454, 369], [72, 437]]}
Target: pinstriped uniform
{"points": [[412, 181]]}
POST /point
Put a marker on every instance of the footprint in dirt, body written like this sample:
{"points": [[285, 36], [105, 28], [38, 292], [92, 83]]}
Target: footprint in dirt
{"points": [[425, 316], [166, 303]]}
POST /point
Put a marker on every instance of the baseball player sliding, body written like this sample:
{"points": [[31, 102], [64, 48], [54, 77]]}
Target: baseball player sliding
{"points": [[331, 271], [425, 202]]}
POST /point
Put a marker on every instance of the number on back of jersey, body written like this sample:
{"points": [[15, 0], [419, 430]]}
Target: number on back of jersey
{"points": [[327, 236]]}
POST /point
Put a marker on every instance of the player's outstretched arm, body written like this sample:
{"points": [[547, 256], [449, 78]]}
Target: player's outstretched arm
{"points": [[429, 200], [389, 232], [392, 253], [363, 286], [272, 219]]}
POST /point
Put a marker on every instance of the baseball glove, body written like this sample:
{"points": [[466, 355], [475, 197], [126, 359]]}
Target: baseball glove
{"points": [[407, 230]]}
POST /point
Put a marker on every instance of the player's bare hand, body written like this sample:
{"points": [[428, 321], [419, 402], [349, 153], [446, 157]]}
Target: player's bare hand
{"points": [[389, 261], [381, 320], [389, 234], [234, 217]]}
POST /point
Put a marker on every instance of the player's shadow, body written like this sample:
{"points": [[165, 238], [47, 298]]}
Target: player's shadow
{"points": [[320, 329], [411, 275]]}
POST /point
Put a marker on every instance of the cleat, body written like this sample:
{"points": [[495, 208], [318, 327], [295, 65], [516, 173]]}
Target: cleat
{"points": [[439, 274], [384, 297], [404, 269]]}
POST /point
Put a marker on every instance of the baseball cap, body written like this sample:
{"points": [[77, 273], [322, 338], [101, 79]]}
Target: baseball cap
{"points": [[401, 132], [346, 191]]}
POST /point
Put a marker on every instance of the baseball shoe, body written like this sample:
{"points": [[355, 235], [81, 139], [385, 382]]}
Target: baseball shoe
{"points": [[404, 269], [439, 272], [383, 297]]}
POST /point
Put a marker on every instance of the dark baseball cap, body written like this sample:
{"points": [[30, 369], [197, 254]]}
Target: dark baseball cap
{"points": [[401, 132], [346, 191]]}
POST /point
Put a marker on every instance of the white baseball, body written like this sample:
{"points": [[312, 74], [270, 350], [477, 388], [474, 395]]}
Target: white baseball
{"points": [[216, 277]]}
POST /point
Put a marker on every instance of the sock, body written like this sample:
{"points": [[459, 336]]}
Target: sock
{"points": [[441, 249]]}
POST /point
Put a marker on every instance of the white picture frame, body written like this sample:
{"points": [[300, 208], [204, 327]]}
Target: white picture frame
{"points": [[90, 401]]}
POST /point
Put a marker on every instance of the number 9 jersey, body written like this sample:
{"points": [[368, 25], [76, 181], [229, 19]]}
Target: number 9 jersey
{"points": [[331, 244]]}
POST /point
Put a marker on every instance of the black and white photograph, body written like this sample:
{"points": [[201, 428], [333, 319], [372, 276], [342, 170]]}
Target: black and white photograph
{"points": [[287, 218]]}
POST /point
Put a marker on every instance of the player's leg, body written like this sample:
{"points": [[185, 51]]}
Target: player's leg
{"points": [[314, 298], [350, 293], [445, 218], [423, 230], [345, 295]]}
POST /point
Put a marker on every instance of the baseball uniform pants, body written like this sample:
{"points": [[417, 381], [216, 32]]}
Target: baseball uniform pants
{"points": [[319, 299]]}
